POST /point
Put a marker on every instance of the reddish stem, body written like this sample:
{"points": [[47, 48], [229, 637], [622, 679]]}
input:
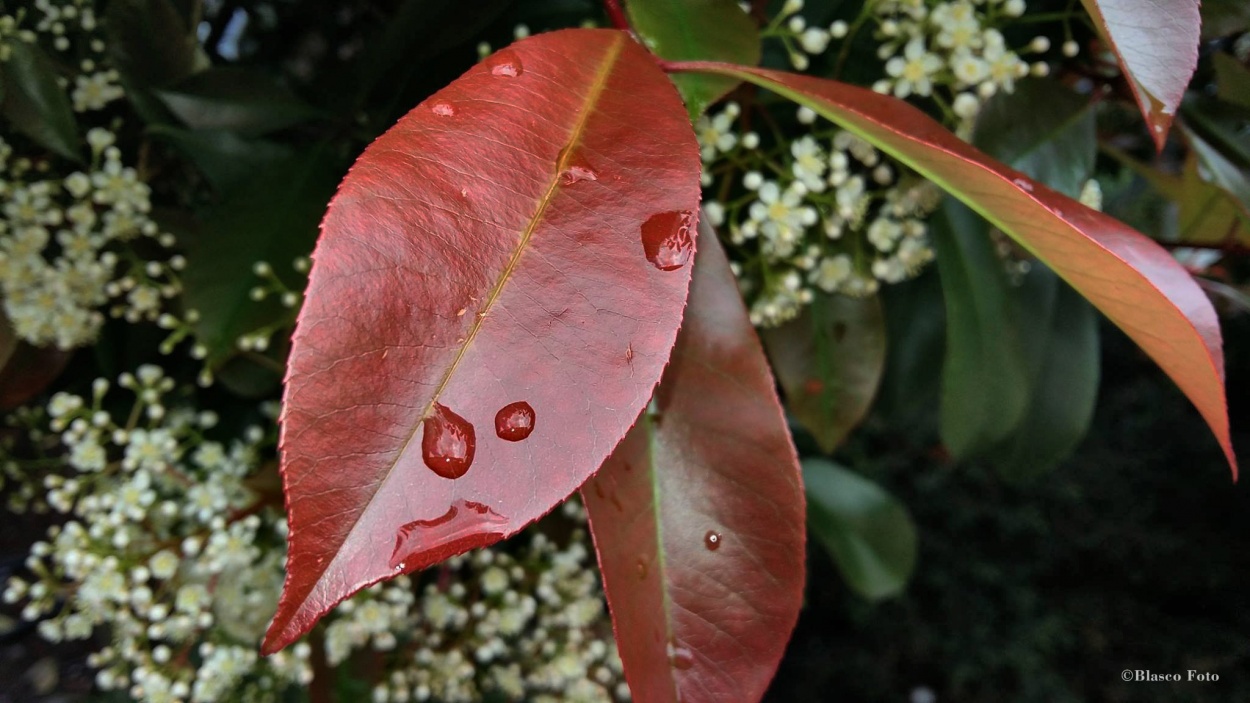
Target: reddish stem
{"points": [[616, 14]]}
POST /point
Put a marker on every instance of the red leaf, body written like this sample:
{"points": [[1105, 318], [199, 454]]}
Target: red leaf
{"points": [[698, 516], [1126, 275], [486, 252], [1156, 42]]}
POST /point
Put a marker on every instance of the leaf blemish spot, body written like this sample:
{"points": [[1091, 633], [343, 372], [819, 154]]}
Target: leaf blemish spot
{"points": [[443, 109]]}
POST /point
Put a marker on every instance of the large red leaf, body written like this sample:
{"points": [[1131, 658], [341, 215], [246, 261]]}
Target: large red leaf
{"points": [[698, 516], [1126, 275], [1156, 42], [496, 290]]}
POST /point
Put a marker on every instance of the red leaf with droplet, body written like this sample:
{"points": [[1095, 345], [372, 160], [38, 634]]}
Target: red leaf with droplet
{"points": [[698, 516], [1130, 278], [1156, 42], [483, 319]]}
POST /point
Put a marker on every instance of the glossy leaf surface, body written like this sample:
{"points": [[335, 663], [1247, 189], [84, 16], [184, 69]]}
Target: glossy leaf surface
{"points": [[867, 531], [1156, 42], [1128, 277], [494, 248], [684, 30], [984, 389], [243, 100], [829, 362], [698, 514]]}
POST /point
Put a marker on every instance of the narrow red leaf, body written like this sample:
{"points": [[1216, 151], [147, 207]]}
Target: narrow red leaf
{"points": [[1130, 278], [698, 516], [483, 319], [1156, 42]]}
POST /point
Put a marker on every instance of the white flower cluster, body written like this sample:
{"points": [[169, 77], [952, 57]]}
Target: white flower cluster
{"points": [[10, 33], [72, 28], [166, 545], [530, 626], [956, 44], [70, 244], [174, 546], [832, 214], [799, 39]]}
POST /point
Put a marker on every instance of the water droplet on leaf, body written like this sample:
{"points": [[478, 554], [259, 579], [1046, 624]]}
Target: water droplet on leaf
{"points": [[574, 174], [1024, 184], [505, 64], [443, 109], [514, 421], [642, 569], [573, 167], [464, 518], [681, 657], [666, 239], [448, 443], [712, 540]]}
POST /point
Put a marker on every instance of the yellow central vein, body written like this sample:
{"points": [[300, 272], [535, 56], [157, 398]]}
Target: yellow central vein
{"points": [[588, 105]]}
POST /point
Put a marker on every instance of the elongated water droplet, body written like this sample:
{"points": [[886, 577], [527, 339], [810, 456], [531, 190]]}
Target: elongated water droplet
{"points": [[448, 443], [464, 518], [666, 239], [514, 421], [642, 569], [1024, 184], [443, 109], [712, 540], [681, 657], [505, 64], [573, 167]]}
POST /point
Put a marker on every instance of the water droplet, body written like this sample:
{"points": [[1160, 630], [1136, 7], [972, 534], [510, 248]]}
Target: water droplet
{"points": [[629, 353], [443, 109], [712, 540], [574, 174], [448, 443], [514, 421], [681, 657], [505, 64], [642, 569], [573, 167], [667, 241], [463, 519], [1024, 184]]}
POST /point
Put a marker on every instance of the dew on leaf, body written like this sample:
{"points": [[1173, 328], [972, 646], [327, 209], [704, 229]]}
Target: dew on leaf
{"points": [[712, 540], [514, 421], [448, 443], [464, 518], [642, 569], [505, 64], [1024, 184], [681, 657], [574, 167], [666, 239], [443, 108]]}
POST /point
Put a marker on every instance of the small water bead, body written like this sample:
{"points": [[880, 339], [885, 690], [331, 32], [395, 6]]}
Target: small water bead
{"points": [[642, 569], [681, 657], [448, 443], [1024, 184], [443, 109], [712, 540], [573, 167], [515, 421], [667, 240], [576, 174], [506, 65]]}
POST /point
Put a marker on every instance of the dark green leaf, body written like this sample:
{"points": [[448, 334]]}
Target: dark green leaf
{"points": [[1232, 79], [1221, 173], [1224, 125], [1059, 335], [691, 30], [984, 384], [272, 218], [869, 534], [238, 99], [915, 327], [152, 42], [225, 158], [33, 102], [829, 361], [1221, 18], [1043, 129]]}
